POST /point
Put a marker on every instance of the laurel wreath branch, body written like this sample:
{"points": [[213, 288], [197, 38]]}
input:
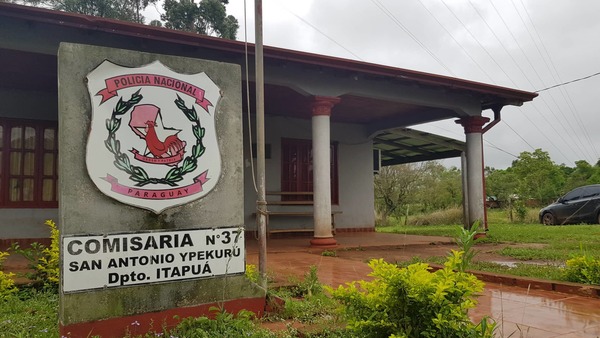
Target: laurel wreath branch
{"points": [[138, 174]]}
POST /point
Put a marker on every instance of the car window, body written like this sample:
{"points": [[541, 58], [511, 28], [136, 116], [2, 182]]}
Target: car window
{"points": [[589, 192], [573, 195]]}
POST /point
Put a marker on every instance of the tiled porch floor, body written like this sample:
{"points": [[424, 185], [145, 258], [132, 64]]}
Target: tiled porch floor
{"points": [[519, 312]]}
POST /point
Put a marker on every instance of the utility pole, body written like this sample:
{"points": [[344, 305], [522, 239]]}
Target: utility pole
{"points": [[261, 204]]}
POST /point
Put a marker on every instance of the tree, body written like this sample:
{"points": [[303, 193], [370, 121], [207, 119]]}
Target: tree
{"points": [[441, 187], [583, 174], [395, 186], [156, 23], [538, 176], [503, 184], [127, 10], [208, 17], [429, 184]]}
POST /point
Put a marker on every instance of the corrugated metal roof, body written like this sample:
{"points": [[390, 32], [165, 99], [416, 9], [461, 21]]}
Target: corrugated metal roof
{"points": [[405, 145]]}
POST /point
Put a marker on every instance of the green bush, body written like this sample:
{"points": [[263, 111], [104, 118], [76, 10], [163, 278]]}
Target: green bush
{"points": [[583, 269], [414, 302], [49, 263], [252, 273], [42, 260], [7, 284]]}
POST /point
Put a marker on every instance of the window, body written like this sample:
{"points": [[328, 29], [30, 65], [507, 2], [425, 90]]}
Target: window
{"points": [[297, 170], [573, 195], [28, 164], [589, 192]]}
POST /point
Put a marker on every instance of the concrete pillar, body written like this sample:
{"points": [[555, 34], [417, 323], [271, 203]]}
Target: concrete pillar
{"points": [[321, 157], [475, 177], [465, 189]]}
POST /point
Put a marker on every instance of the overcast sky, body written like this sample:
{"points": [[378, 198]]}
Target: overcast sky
{"points": [[522, 44]]}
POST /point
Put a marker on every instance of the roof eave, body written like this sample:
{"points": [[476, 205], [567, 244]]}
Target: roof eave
{"points": [[506, 95]]}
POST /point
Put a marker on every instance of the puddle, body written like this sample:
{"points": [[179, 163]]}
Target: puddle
{"points": [[513, 264]]}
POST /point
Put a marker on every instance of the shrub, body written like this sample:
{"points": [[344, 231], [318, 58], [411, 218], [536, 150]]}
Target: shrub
{"points": [[414, 302], [48, 265], [583, 269], [42, 260], [7, 284], [252, 273], [466, 240], [310, 285]]}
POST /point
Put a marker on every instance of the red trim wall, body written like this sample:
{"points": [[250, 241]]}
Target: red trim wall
{"points": [[154, 322]]}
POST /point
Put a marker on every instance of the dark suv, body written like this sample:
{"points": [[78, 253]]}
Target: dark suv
{"points": [[581, 205]]}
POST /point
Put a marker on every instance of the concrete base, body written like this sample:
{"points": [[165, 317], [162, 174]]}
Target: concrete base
{"points": [[154, 322], [323, 242]]}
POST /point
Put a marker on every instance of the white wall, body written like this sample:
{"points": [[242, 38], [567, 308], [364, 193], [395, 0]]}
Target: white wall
{"points": [[26, 223], [355, 173]]}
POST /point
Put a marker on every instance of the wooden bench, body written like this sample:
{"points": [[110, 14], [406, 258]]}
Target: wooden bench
{"points": [[293, 213]]}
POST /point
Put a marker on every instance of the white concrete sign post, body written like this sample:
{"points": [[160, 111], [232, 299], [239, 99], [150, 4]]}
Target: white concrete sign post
{"points": [[151, 210]]}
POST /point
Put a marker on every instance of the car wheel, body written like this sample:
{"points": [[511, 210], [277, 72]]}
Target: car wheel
{"points": [[548, 219]]}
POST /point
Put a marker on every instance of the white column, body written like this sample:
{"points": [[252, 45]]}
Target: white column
{"points": [[321, 159], [465, 189], [475, 177]]}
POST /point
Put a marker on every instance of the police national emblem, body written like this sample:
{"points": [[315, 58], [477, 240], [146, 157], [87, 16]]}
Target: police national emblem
{"points": [[153, 142]]}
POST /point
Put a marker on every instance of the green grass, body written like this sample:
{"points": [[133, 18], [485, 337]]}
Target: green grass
{"points": [[29, 314], [559, 242], [547, 272], [553, 244], [427, 230]]}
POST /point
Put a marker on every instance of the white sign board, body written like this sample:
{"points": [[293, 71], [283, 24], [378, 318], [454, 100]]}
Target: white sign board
{"points": [[92, 262]]}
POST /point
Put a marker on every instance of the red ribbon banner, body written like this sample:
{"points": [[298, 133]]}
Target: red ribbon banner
{"points": [[119, 82], [159, 194]]}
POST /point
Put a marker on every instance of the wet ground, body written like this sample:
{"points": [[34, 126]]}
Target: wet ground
{"points": [[519, 312]]}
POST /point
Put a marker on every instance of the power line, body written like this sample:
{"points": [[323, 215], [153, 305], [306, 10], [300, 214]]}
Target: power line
{"points": [[509, 78], [568, 82], [565, 94], [458, 43], [546, 57], [320, 31], [398, 23], [519, 135], [573, 134], [478, 42]]}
